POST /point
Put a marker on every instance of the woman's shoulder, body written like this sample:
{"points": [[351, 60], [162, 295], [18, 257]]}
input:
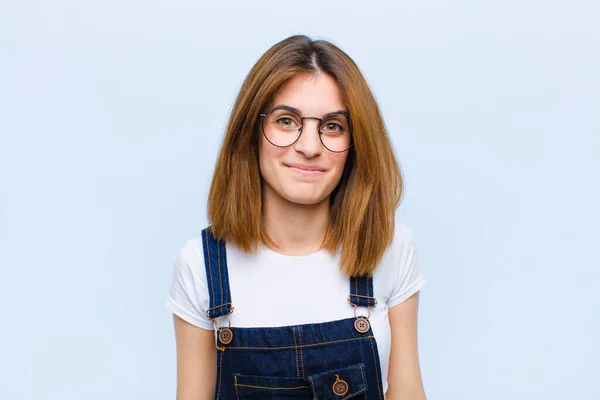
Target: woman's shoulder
{"points": [[190, 261], [188, 295], [394, 259], [398, 275], [190, 254], [403, 237]]}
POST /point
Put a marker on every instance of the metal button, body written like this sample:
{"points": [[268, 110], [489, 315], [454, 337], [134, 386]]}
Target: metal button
{"points": [[225, 335], [340, 387], [362, 325]]}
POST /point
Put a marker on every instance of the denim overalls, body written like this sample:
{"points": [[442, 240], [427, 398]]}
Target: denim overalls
{"points": [[330, 360]]}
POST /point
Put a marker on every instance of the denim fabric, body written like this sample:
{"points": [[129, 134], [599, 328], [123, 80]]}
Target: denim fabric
{"points": [[292, 362]]}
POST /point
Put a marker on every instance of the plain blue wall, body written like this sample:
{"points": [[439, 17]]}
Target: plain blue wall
{"points": [[111, 116]]}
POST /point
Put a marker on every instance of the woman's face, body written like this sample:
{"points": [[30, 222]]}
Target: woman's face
{"points": [[305, 172]]}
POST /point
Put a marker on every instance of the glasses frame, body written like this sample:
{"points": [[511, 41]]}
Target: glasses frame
{"points": [[262, 116]]}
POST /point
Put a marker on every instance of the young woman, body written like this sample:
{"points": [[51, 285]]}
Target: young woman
{"points": [[303, 244]]}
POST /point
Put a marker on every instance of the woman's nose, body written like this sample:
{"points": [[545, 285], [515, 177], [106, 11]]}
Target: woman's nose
{"points": [[309, 142]]}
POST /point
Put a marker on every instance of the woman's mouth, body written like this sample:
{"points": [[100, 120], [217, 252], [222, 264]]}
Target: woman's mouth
{"points": [[305, 169]]}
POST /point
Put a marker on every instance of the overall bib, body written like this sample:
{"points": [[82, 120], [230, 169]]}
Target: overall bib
{"points": [[322, 361]]}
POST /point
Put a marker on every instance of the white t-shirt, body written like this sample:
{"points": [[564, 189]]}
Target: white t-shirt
{"points": [[269, 289]]}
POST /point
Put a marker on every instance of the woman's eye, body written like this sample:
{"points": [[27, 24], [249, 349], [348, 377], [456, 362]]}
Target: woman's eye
{"points": [[332, 127], [286, 122]]}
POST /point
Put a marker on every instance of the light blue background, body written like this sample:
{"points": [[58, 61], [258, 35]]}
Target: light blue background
{"points": [[111, 116]]}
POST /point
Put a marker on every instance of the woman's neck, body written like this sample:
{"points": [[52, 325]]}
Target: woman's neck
{"points": [[297, 229]]}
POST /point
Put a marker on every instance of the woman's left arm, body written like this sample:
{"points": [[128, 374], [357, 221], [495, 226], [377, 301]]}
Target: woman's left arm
{"points": [[404, 373]]}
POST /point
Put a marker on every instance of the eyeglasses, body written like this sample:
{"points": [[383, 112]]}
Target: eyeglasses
{"points": [[282, 127]]}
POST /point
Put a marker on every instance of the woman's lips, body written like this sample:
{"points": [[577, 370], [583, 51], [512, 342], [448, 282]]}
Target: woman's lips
{"points": [[305, 169]]}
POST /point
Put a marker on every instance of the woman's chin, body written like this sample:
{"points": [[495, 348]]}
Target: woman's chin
{"points": [[304, 199]]}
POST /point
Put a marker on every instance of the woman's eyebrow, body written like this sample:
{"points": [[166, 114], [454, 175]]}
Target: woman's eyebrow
{"points": [[297, 111], [344, 112], [288, 108]]}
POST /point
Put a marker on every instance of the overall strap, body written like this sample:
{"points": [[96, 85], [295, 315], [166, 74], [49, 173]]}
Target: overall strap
{"points": [[361, 292], [215, 262]]}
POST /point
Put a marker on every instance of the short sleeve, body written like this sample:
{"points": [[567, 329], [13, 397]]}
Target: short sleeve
{"points": [[188, 297], [408, 278]]}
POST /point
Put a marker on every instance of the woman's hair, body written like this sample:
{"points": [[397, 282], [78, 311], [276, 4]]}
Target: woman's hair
{"points": [[362, 205]]}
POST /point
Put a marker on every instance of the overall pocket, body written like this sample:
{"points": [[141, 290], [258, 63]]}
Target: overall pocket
{"points": [[336, 384], [339, 384], [270, 387]]}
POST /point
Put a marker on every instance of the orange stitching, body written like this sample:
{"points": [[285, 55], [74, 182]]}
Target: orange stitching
{"points": [[355, 393], [358, 296], [362, 372], [220, 374], [361, 390], [209, 268], [363, 375], [220, 306], [376, 368], [296, 352], [364, 297], [236, 385], [301, 351], [303, 346], [219, 264], [312, 384], [271, 388]]}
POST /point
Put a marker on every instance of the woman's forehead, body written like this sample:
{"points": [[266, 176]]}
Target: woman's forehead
{"points": [[312, 94]]}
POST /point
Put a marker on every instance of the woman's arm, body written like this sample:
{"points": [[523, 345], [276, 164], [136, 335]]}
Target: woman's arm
{"points": [[404, 373], [196, 361]]}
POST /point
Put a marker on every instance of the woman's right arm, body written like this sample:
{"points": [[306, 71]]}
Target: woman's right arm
{"points": [[196, 361]]}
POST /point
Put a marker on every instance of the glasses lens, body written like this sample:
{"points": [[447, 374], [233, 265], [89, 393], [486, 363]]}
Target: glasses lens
{"points": [[335, 133], [282, 127]]}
